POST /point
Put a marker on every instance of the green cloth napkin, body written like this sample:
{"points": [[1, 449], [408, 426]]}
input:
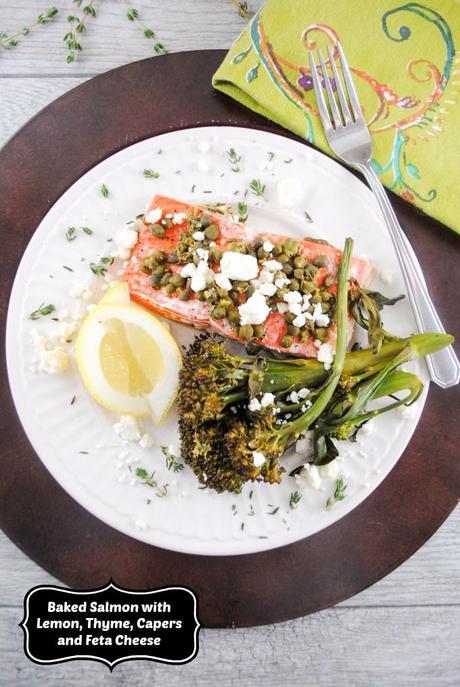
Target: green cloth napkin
{"points": [[407, 73]]}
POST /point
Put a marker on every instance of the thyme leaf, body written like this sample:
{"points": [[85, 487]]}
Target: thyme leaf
{"points": [[104, 191], [294, 499], [234, 159], [42, 311], [242, 212], [151, 482], [151, 174], [257, 187], [171, 462]]}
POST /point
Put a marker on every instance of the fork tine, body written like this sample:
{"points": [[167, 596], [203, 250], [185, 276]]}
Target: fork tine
{"points": [[340, 90], [323, 111], [352, 95], [335, 114]]}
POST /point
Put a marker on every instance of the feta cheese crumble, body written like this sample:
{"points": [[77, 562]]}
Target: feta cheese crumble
{"points": [[125, 240], [239, 266], [309, 476], [179, 217], [198, 236], [53, 361], [127, 428], [289, 191], [326, 355], [202, 277], [267, 399], [258, 458], [146, 440], [255, 310], [153, 216]]}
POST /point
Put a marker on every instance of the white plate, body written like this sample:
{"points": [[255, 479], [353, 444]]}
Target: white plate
{"points": [[76, 441]]}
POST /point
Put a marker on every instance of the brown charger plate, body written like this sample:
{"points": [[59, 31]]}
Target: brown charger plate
{"points": [[41, 161]]}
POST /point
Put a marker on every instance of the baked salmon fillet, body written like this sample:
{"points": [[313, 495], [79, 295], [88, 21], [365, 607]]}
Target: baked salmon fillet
{"points": [[196, 265]]}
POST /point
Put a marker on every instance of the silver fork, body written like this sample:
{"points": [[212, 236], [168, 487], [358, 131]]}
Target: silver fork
{"points": [[349, 138]]}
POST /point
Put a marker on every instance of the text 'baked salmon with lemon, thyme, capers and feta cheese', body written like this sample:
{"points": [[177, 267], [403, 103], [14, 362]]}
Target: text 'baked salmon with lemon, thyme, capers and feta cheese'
{"points": [[198, 266]]}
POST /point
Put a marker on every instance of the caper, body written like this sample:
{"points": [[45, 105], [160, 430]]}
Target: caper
{"points": [[238, 247], [156, 282], [200, 295], [283, 259], [321, 261], [279, 275], [225, 303], [259, 331], [316, 298], [300, 261], [329, 280], [157, 230], [304, 336], [172, 257], [326, 307], [261, 254], [165, 278], [286, 341], [177, 280], [234, 296], [294, 285], [215, 254], [290, 247], [185, 294], [246, 332], [221, 292], [146, 266], [307, 286], [321, 333], [159, 271], [241, 286], [252, 253], [282, 292], [327, 296], [258, 241], [298, 273], [310, 272], [292, 330], [211, 232], [288, 269], [205, 222], [233, 315], [289, 317], [166, 222], [277, 249], [251, 290], [211, 295], [170, 288], [218, 313], [196, 260]]}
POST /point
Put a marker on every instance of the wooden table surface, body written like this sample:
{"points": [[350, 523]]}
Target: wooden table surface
{"points": [[403, 631]]}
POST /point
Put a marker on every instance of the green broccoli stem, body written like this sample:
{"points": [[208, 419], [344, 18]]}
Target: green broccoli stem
{"points": [[395, 382], [293, 429]]}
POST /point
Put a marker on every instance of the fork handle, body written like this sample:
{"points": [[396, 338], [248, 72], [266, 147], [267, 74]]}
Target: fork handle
{"points": [[444, 366]]}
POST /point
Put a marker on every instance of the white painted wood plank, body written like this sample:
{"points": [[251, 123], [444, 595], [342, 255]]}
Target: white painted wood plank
{"points": [[429, 577], [353, 647], [112, 40]]}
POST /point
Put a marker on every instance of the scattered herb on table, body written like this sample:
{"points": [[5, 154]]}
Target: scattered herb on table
{"points": [[134, 16], [42, 311], [151, 481], [171, 462], [78, 28], [242, 8], [10, 41], [257, 187]]}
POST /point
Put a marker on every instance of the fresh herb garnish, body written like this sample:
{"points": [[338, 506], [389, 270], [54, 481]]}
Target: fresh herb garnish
{"points": [[257, 187], [171, 462], [87, 230], [274, 510], [242, 212], [151, 174], [9, 41], [42, 311], [339, 493], [104, 191], [271, 156], [193, 188], [242, 526], [66, 267], [151, 482], [242, 8], [234, 160], [234, 511], [71, 234], [100, 269], [294, 499], [307, 216]]}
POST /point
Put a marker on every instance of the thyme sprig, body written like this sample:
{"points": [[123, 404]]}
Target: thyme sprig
{"points": [[171, 462], [242, 212], [257, 187], [242, 8], [78, 28], [100, 268], [339, 493], [10, 41], [42, 311], [134, 16], [294, 499], [151, 174], [160, 490], [234, 159]]}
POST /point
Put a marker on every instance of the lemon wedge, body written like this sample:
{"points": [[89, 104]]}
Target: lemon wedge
{"points": [[127, 359]]}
